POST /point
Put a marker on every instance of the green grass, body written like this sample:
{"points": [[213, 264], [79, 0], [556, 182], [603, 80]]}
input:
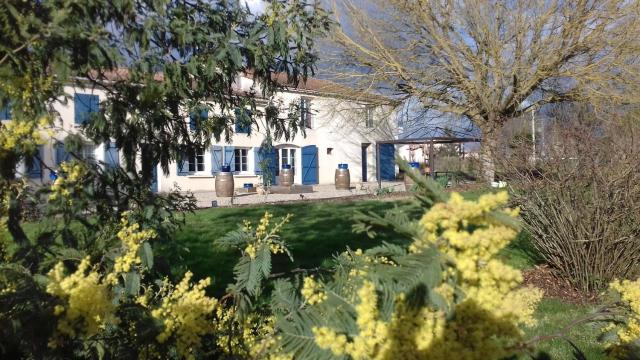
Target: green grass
{"points": [[317, 231], [553, 316]]}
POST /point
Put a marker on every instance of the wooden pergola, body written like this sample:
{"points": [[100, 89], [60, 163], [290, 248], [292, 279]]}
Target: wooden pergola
{"points": [[431, 141]]}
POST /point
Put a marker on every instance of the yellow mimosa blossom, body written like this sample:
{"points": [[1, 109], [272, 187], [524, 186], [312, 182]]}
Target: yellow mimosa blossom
{"points": [[86, 304], [186, 314], [69, 181], [371, 330], [132, 238], [312, 291], [628, 332], [490, 308], [265, 236]]}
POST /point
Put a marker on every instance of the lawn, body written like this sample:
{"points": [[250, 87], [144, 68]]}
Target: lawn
{"points": [[321, 229]]}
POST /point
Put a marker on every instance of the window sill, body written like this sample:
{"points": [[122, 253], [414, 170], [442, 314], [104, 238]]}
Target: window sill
{"points": [[201, 176], [244, 175]]}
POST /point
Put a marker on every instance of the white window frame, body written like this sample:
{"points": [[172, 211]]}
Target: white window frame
{"points": [[305, 112], [282, 156], [368, 116], [237, 158], [198, 159], [88, 152]]}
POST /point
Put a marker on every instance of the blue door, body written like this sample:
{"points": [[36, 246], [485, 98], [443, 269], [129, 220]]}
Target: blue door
{"points": [[387, 162], [309, 165]]}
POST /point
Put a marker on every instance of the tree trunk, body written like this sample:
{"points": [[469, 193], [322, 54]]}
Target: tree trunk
{"points": [[488, 149]]}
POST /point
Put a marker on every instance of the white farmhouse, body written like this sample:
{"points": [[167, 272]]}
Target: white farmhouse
{"points": [[341, 127]]}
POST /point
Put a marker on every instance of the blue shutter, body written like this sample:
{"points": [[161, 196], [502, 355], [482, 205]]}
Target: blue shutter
{"points": [[257, 157], [84, 105], [387, 162], [271, 163], [61, 153], [182, 165], [111, 155], [5, 113], [194, 121], [243, 121], [229, 157], [35, 170], [309, 165], [216, 159], [154, 180]]}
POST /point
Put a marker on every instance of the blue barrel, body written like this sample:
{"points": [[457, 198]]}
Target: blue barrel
{"points": [[247, 185], [225, 168], [343, 166], [286, 166], [415, 165]]}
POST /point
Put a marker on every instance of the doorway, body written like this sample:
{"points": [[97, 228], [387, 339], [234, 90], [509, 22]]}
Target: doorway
{"points": [[365, 146]]}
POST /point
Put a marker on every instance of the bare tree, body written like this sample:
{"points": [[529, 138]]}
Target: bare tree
{"points": [[486, 60]]}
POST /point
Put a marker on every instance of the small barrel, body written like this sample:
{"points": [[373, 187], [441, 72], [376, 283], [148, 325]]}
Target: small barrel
{"points": [[408, 182], [224, 182], [343, 178], [286, 175]]}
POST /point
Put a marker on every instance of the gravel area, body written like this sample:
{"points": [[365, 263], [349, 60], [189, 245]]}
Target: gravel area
{"points": [[206, 198]]}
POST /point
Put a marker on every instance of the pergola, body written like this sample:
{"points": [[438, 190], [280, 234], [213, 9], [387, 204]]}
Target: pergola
{"points": [[431, 141]]}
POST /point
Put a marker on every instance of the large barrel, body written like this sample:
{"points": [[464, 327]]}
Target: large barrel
{"points": [[408, 182], [224, 183], [286, 175], [343, 178]]}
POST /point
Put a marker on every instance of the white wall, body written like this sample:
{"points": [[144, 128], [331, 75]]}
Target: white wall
{"points": [[337, 125]]}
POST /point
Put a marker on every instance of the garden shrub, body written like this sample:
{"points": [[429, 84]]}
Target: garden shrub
{"points": [[581, 200]]}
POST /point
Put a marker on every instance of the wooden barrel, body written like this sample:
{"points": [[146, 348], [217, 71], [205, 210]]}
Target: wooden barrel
{"points": [[408, 181], [343, 178], [224, 184], [286, 176]]}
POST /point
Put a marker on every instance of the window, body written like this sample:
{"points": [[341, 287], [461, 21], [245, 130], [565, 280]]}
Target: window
{"points": [[87, 152], [240, 158], [305, 112], [243, 121], [84, 106], [288, 156], [196, 162], [368, 116]]}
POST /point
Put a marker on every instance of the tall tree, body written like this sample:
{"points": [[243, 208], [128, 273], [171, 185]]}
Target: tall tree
{"points": [[490, 61], [158, 62]]}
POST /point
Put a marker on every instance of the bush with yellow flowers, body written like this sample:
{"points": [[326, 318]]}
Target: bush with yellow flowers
{"points": [[622, 334], [446, 295]]}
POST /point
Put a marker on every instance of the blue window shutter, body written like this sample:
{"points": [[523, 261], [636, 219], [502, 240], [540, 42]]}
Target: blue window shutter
{"points": [[257, 157], [269, 156], [193, 121], [243, 121], [216, 159], [35, 170], [310, 165], [61, 153], [5, 113], [84, 105], [229, 157], [111, 155], [182, 164]]}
